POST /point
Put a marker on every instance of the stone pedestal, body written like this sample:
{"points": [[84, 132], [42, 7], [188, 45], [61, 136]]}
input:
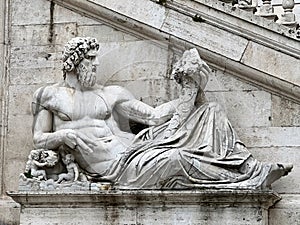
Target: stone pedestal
{"points": [[209, 207]]}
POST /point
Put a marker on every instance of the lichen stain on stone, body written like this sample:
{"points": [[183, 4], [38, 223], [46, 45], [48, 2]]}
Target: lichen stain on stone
{"points": [[111, 215], [111, 212], [51, 25]]}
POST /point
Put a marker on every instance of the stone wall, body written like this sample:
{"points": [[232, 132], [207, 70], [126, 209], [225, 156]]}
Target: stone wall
{"points": [[267, 123]]}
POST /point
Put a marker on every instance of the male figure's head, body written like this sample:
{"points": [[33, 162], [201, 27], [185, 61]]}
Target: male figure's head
{"points": [[80, 58]]}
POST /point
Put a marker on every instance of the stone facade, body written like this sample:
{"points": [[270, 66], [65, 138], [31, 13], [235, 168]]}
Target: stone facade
{"points": [[257, 83]]}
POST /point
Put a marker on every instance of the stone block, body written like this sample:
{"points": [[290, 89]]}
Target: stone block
{"points": [[29, 35], [285, 113], [24, 12], [127, 216], [223, 81], [2, 22], [150, 13], [245, 108], [104, 33], [124, 61], [205, 35], [1, 160], [270, 136], [9, 212], [272, 62], [63, 15], [29, 76], [19, 102], [33, 57], [2, 64], [290, 183], [19, 138], [35, 64], [286, 211], [208, 207], [64, 32], [11, 172]]}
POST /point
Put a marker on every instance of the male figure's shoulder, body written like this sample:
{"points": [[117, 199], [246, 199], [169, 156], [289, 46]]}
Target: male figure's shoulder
{"points": [[43, 95], [45, 92]]}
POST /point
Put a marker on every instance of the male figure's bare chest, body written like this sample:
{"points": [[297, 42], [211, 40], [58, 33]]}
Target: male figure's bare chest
{"points": [[71, 104]]}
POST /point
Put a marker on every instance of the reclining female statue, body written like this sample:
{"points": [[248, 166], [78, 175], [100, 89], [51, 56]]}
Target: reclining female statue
{"points": [[190, 142]]}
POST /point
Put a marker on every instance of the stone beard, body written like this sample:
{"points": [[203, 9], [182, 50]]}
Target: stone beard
{"points": [[86, 74]]}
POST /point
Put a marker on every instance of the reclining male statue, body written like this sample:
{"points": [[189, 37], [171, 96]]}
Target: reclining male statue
{"points": [[190, 142]]}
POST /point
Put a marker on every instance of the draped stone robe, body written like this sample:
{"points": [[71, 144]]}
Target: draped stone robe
{"points": [[204, 152]]}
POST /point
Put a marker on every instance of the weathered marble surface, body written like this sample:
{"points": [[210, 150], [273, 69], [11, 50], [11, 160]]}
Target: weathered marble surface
{"points": [[27, 79], [189, 143], [146, 207], [287, 211]]}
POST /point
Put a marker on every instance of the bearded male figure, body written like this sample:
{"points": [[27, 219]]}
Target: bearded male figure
{"points": [[190, 143], [78, 117]]}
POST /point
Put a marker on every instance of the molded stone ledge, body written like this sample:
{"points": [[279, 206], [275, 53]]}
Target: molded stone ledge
{"points": [[139, 197], [210, 207]]}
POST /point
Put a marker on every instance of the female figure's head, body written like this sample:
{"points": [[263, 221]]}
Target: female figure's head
{"points": [[191, 72]]}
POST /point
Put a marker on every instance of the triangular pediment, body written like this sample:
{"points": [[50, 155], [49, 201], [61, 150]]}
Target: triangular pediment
{"points": [[253, 48]]}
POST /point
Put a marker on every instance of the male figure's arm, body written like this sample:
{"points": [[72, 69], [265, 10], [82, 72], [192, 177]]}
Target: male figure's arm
{"points": [[139, 111], [43, 136], [143, 113], [39, 164]]}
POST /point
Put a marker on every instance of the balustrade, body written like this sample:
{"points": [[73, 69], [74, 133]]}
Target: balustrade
{"points": [[266, 10], [288, 18]]}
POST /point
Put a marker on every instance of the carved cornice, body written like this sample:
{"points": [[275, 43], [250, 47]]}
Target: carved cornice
{"points": [[150, 20], [60, 199]]}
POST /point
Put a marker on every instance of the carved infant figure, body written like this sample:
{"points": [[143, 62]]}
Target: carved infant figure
{"points": [[72, 168], [33, 165]]}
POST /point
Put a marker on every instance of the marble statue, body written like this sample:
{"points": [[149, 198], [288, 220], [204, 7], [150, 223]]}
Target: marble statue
{"points": [[33, 165], [189, 143], [72, 170], [37, 159]]}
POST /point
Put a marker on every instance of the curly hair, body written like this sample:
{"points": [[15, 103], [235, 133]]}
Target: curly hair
{"points": [[75, 50]]}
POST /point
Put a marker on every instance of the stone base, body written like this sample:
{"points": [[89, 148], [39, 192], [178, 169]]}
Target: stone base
{"points": [[9, 212], [209, 207]]}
